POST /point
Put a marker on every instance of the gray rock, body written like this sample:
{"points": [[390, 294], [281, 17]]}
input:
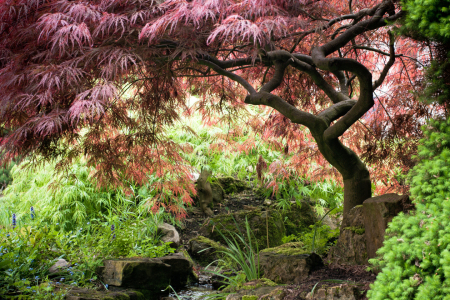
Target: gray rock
{"points": [[267, 202], [169, 234], [351, 248], [262, 289], [378, 212], [152, 274], [341, 292], [60, 264]]}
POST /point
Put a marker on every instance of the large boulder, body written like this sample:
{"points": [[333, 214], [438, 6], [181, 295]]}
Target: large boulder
{"points": [[204, 250], [266, 226], [350, 248], [152, 274], [169, 234], [378, 212], [289, 263]]}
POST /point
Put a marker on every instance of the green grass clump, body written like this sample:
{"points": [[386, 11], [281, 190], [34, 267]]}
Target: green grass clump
{"points": [[415, 257]]}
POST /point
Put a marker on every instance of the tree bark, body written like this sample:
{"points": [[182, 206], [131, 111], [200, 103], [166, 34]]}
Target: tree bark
{"points": [[356, 176]]}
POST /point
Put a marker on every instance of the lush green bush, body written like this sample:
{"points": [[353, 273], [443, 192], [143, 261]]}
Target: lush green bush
{"points": [[430, 17], [28, 251], [415, 257], [70, 199]]}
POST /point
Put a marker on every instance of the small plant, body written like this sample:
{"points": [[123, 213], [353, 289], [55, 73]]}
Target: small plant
{"points": [[242, 255]]}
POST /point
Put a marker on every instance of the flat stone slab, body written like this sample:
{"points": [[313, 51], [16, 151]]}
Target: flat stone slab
{"points": [[260, 289], [88, 294], [261, 293]]}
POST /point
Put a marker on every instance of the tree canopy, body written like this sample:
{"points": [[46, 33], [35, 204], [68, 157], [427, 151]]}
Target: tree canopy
{"points": [[102, 78]]}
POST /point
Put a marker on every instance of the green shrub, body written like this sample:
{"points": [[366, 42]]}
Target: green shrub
{"points": [[28, 251], [429, 17], [415, 257]]}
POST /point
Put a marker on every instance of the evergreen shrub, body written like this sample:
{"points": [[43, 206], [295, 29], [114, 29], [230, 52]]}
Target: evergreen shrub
{"points": [[415, 257], [429, 17]]}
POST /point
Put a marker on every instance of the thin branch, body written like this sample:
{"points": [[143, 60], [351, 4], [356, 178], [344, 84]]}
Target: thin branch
{"points": [[389, 64], [265, 74], [386, 53], [389, 116]]}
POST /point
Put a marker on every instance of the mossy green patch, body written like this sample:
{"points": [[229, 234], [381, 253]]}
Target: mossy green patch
{"points": [[357, 230], [249, 297], [294, 248], [252, 285], [211, 243]]}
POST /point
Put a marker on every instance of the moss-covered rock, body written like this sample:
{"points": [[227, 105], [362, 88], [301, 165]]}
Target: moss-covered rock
{"points": [[297, 219], [205, 250], [343, 291], [263, 289], [266, 226], [288, 263], [351, 248], [231, 185]]}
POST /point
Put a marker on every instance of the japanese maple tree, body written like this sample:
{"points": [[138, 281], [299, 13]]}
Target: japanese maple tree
{"points": [[103, 77]]}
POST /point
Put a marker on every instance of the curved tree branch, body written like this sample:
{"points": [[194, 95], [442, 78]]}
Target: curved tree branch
{"points": [[277, 78], [336, 111], [365, 101], [228, 74], [289, 111]]}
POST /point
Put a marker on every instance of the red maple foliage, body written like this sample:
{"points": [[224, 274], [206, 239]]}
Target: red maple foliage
{"points": [[102, 78]]}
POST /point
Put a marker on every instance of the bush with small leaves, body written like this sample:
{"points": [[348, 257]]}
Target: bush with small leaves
{"points": [[415, 257]]}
